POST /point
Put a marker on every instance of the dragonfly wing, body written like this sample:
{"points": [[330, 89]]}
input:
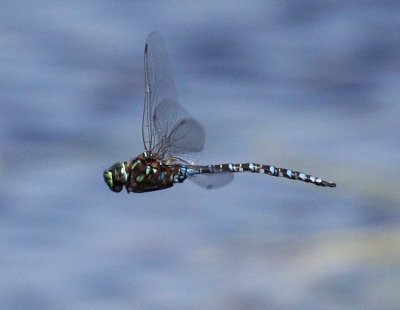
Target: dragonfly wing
{"points": [[167, 129], [159, 84], [212, 180], [177, 134]]}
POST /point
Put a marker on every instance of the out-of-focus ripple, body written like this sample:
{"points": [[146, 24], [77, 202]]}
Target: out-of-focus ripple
{"points": [[306, 85]]}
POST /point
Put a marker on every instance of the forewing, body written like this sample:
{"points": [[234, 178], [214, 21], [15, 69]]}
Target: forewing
{"points": [[159, 84]]}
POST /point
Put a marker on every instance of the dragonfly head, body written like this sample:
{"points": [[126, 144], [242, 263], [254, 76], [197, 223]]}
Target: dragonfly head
{"points": [[115, 177]]}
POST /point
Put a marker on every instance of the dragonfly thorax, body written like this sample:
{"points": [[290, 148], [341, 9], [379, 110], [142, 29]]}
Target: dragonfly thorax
{"points": [[147, 173]]}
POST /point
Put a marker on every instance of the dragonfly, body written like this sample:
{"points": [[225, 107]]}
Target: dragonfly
{"points": [[173, 140]]}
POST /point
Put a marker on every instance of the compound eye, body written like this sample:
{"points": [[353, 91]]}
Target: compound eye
{"points": [[108, 178]]}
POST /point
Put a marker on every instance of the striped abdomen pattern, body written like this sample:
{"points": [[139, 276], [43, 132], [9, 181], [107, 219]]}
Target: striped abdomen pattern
{"points": [[265, 169]]}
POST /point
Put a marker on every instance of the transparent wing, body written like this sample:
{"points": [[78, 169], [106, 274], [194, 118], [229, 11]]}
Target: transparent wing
{"points": [[168, 131], [177, 135], [212, 180], [158, 84]]}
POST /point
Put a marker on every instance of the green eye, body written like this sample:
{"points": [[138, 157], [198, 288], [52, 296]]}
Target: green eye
{"points": [[108, 178], [115, 177]]}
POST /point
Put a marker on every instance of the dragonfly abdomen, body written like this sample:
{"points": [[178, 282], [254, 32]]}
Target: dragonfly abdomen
{"points": [[265, 169]]}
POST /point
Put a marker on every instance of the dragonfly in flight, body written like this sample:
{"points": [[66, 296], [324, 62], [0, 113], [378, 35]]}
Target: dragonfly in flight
{"points": [[173, 139]]}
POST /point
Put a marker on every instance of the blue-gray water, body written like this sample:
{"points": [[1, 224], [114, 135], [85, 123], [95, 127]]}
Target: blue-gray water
{"points": [[308, 85]]}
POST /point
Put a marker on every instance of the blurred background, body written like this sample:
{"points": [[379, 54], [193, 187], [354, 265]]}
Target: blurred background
{"points": [[307, 85]]}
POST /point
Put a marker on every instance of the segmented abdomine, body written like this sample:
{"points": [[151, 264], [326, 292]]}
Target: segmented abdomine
{"points": [[265, 169]]}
